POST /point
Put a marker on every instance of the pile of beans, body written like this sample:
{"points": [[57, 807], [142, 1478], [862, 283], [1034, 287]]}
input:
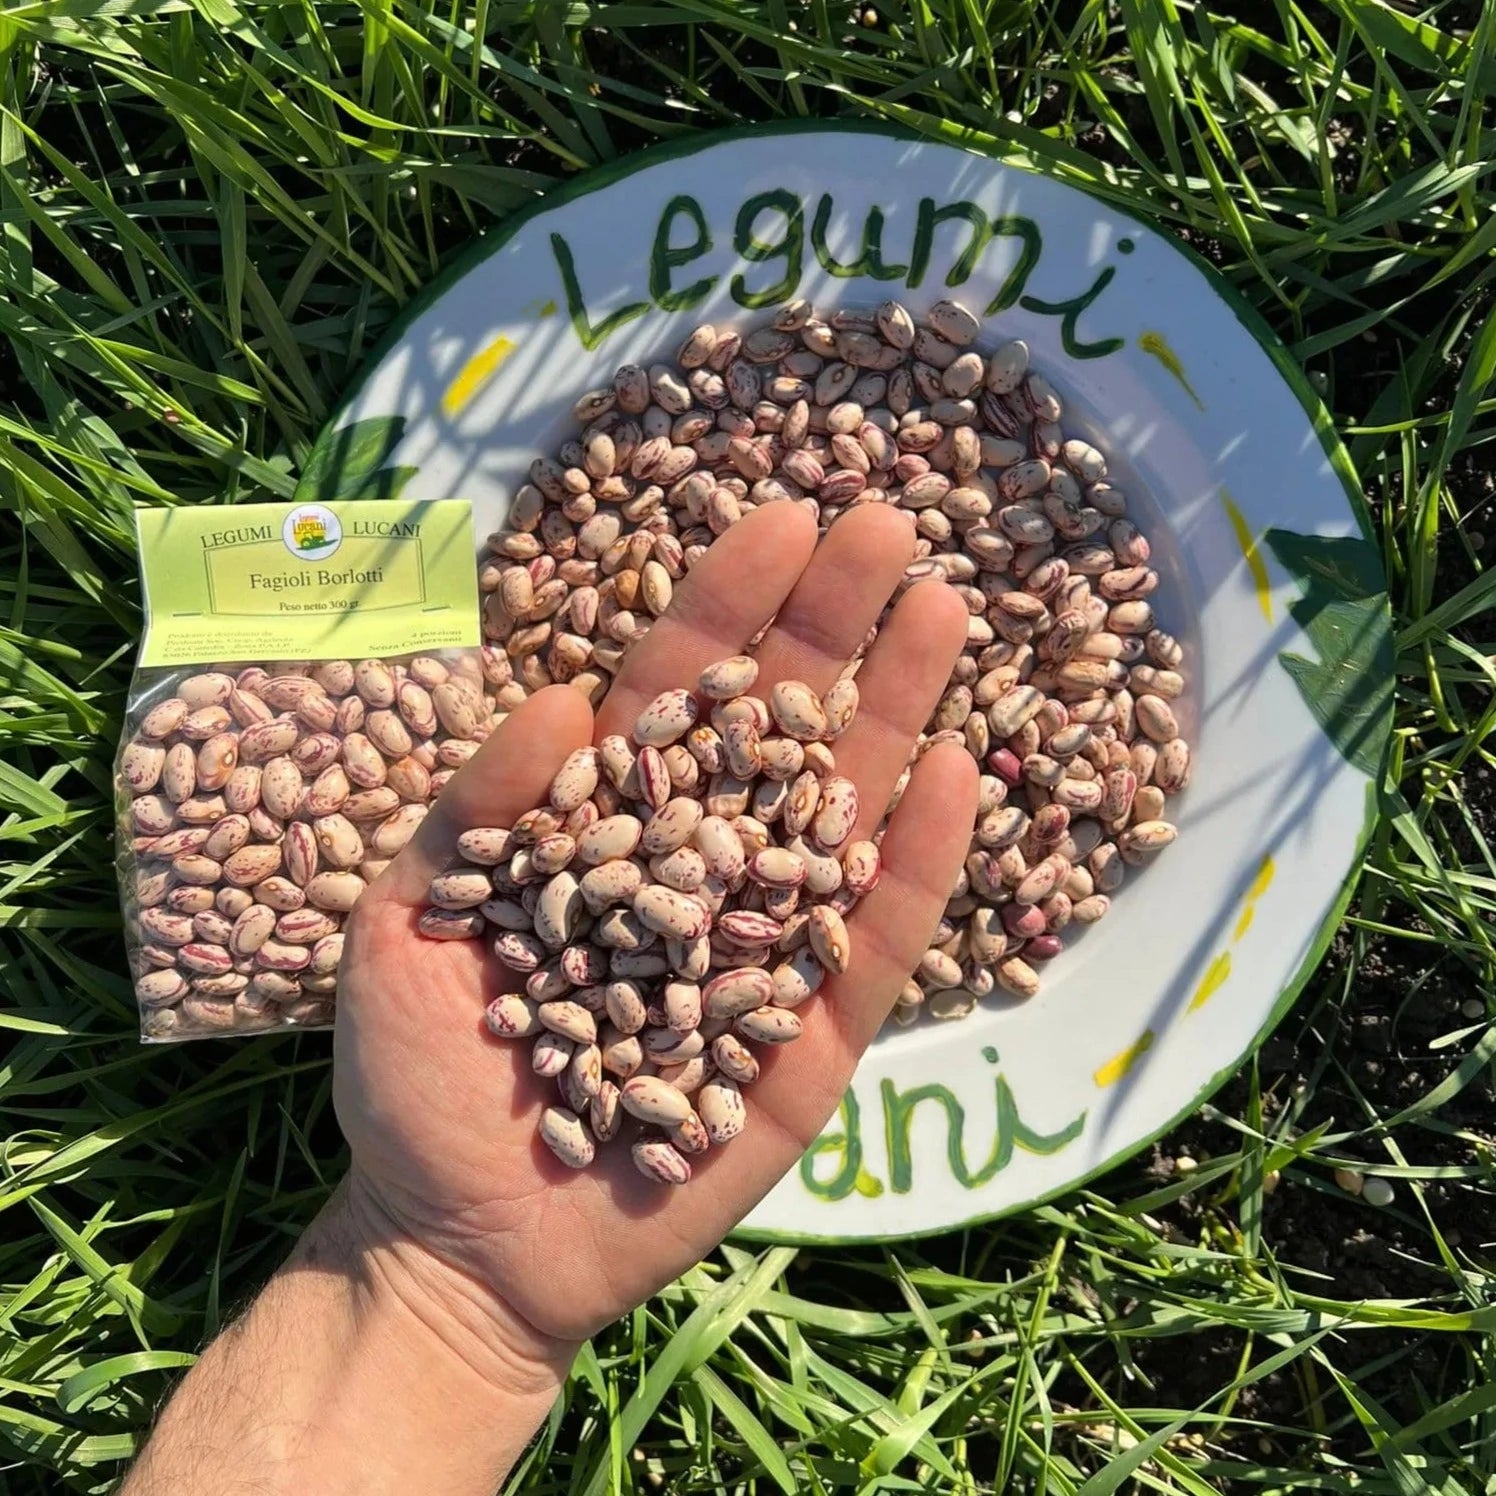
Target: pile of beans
{"points": [[1066, 692], [679, 895], [259, 803]]}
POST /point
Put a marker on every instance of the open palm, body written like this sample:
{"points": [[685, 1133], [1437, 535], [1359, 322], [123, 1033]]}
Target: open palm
{"points": [[441, 1116]]}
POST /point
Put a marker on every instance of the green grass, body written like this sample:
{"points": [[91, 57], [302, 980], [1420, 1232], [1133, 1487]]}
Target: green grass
{"points": [[209, 209]]}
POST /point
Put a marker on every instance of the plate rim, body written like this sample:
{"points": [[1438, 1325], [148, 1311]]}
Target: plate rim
{"points": [[1287, 996], [1253, 324]]}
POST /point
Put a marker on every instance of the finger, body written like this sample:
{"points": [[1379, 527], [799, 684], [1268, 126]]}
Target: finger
{"points": [[926, 843], [922, 853], [723, 601], [837, 599], [510, 774], [905, 674]]}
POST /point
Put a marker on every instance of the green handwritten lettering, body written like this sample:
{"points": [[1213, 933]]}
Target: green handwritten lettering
{"points": [[928, 220], [1070, 310], [983, 232], [665, 257], [869, 262], [791, 248], [576, 308], [1033, 246], [898, 1112], [847, 1143]]}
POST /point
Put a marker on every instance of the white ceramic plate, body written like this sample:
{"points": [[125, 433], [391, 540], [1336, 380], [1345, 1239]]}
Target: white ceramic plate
{"points": [[1233, 472]]}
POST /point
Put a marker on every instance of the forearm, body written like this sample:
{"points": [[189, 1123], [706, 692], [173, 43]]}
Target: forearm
{"points": [[362, 1367]]}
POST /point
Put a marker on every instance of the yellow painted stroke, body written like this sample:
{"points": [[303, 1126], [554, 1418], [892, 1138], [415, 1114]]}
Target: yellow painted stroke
{"points": [[868, 1185], [1220, 969], [474, 374], [1213, 980], [1255, 892], [1248, 543], [1155, 344], [1118, 1066]]}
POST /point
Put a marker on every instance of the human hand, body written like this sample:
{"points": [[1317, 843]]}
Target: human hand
{"points": [[441, 1116]]}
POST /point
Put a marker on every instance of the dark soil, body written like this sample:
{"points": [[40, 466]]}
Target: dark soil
{"points": [[1367, 1056]]}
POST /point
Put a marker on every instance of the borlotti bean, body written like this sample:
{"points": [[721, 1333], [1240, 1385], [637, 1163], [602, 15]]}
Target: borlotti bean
{"points": [[1067, 694], [659, 942]]}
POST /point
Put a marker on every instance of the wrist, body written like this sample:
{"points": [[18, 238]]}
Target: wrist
{"points": [[367, 1367], [458, 1323]]}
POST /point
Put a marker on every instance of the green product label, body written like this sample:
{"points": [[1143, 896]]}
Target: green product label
{"points": [[307, 581]]}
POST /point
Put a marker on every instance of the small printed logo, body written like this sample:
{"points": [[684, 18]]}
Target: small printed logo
{"points": [[312, 532]]}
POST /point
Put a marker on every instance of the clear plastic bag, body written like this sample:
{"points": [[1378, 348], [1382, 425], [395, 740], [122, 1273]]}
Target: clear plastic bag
{"points": [[258, 800], [256, 807]]}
